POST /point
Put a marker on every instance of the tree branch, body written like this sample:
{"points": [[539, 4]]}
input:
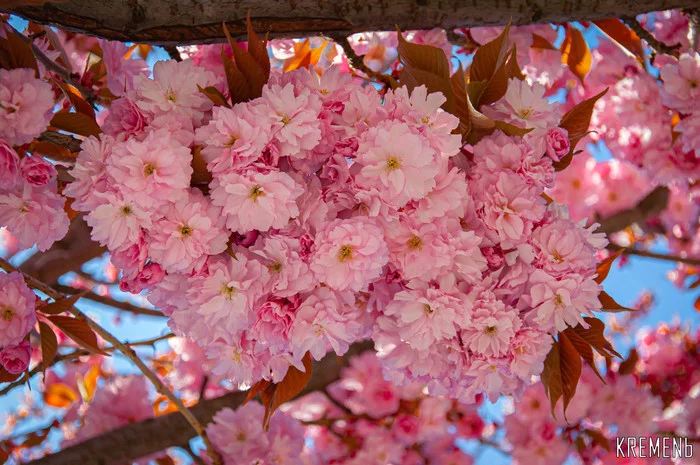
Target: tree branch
{"points": [[654, 43], [358, 63], [658, 256], [147, 437], [170, 22], [130, 354], [64, 140], [654, 203], [121, 305]]}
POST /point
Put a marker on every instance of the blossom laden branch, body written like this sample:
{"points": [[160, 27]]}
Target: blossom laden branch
{"points": [[645, 253], [358, 63], [118, 304], [129, 353], [654, 43], [651, 205]]}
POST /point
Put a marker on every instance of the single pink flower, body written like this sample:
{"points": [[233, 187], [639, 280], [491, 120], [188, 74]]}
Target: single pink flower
{"points": [[15, 358]]}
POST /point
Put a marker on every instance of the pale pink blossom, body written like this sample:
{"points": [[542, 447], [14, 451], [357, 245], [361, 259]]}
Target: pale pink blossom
{"points": [[34, 215], [681, 87], [26, 105], [256, 199], [173, 88], [125, 117], [17, 315], [190, 230], [396, 162], [120, 70], [557, 141], [490, 328], [233, 139], [349, 254], [118, 222]]}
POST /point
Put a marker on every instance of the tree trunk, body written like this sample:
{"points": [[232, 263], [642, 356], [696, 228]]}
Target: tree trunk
{"points": [[170, 22]]}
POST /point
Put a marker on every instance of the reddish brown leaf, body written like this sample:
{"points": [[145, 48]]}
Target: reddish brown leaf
{"points": [[78, 331], [629, 366], [513, 69], [200, 174], [495, 87], [697, 304], [77, 100], [52, 151], [36, 438], [595, 336], [562, 370], [59, 395], [489, 57], [6, 376], [576, 122], [165, 460], [238, 87], [426, 65], [258, 48], [624, 36], [18, 51], [49, 344], [575, 53], [76, 123], [598, 438], [584, 348], [214, 95], [695, 284], [246, 74], [540, 42], [304, 56], [603, 268], [609, 304], [61, 305], [511, 129], [458, 82], [275, 395]]}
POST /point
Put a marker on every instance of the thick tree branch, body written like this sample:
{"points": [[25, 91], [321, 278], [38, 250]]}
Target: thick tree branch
{"points": [[136, 440], [654, 203], [170, 22]]}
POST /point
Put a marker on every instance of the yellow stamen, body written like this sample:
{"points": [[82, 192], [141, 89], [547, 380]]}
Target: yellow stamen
{"points": [[345, 253], [256, 192]]}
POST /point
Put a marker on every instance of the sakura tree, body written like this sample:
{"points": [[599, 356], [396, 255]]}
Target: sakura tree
{"points": [[344, 242]]}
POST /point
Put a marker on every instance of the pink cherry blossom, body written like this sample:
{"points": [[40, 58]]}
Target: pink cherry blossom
{"points": [[26, 105], [36, 170], [17, 307], [255, 199], [349, 254], [15, 358], [9, 165]]}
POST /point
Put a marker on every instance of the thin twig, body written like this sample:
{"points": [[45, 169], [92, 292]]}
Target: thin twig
{"points": [[119, 304], [130, 354], [651, 205], [75, 355], [358, 63], [658, 256], [490, 443], [88, 94], [654, 43]]}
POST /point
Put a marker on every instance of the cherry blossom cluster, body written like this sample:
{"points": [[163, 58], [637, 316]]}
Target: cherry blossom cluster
{"points": [[333, 215], [619, 407], [366, 420], [30, 206]]}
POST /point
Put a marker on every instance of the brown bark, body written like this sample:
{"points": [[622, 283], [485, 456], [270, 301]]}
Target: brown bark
{"points": [[169, 22], [144, 438]]}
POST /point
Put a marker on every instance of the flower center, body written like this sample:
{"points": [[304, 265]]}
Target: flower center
{"points": [[149, 169], [285, 120], [693, 84], [241, 437], [231, 142], [125, 210], [559, 302], [170, 94], [275, 267], [345, 253], [414, 242], [185, 231], [236, 356], [7, 313], [24, 208], [576, 184], [256, 192], [229, 291], [525, 113], [393, 163], [428, 309], [557, 257], [490, 330]]}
